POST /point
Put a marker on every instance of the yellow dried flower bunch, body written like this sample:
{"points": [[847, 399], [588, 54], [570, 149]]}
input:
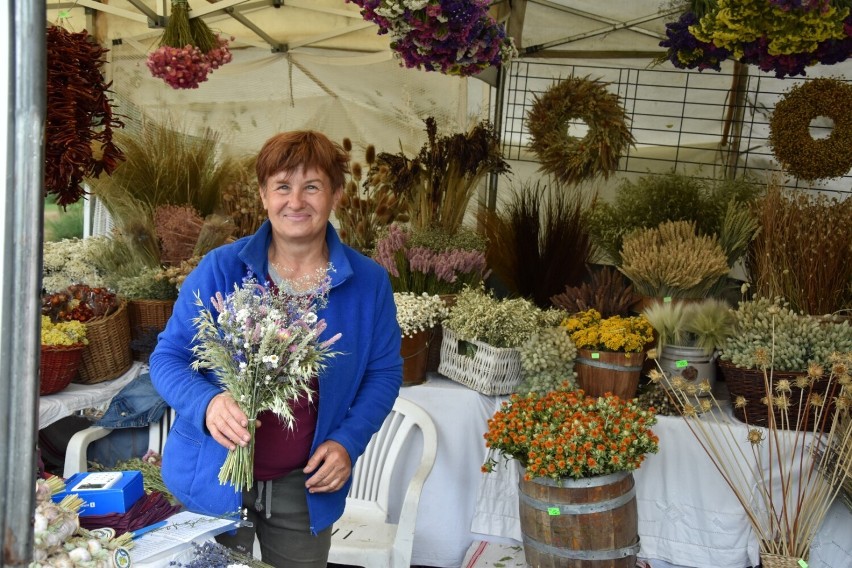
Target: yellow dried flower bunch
{"points": [[589, 331], [63, 333], [673, 260]]}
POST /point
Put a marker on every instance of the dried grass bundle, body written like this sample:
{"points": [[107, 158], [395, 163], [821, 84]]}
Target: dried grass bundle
{"points": [[178, 228], [672, 260], [802, 251], [539, 244], [607, 291]]}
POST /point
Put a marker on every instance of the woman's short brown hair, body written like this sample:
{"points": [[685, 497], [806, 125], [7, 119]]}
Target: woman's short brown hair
{"points": [[298, 149]]}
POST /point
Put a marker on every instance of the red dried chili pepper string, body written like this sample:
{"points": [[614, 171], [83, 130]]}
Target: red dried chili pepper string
{"points": [[78, 113]]}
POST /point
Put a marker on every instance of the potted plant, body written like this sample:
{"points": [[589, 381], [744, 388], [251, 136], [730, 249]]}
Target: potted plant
{"points": [[417, 315], [62, 345], [610, 351], [784, 480], [688, 335], [578, 453], [770, 334], [481, 336]]}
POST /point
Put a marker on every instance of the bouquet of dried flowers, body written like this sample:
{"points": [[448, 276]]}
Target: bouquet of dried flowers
{"points": [[418, 312], [784, 479], [264, 346], [188, 51], [457, 38], [765, 328], [70, 261], [439, 182], [784, 36], [672, 260], [563, 433], [62, 333], [432, 261], [480, 316], [590, 331], [368, 204], [547, 361]]}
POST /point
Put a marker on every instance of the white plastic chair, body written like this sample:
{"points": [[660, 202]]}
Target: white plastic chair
{"points": [[75, 453], [363, 536]]}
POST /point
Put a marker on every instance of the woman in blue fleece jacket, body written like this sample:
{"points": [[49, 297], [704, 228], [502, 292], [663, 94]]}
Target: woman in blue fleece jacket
{"points": [[302, 476]]}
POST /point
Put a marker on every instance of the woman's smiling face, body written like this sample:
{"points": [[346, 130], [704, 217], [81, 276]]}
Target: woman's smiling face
{"points": [[299, 203]]}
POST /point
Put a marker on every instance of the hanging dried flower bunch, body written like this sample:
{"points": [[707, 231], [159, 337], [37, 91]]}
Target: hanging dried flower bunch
{"points": [[79, 115], [189, 50]]}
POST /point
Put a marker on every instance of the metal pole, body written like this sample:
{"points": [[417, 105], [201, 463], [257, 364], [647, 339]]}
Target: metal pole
{"points": [[21, 275], [491, 200]]}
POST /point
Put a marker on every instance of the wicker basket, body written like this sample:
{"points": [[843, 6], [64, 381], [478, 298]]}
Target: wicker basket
{"points": [[108, 354], [768, 560], [147, 319], [59, 366], [479, 366], [749, 383]]}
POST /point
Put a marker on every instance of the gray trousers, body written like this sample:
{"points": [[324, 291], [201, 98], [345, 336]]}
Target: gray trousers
{"points": [[285, 536]]}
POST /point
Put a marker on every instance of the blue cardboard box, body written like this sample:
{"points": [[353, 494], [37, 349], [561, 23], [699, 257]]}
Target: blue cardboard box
{"points": [[116, 499]]}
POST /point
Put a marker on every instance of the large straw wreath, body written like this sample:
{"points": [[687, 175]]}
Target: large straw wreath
{"points": [[568, 158], [801, 154]]}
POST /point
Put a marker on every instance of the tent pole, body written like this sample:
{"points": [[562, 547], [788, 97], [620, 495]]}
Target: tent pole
{"points": [[491, 195], [23, 229]]}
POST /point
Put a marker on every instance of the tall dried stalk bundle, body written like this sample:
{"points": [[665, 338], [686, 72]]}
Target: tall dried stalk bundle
{"points": [[539, 243], [368, 203], [705, 324], [802, 251], [672, 260], [780, 476], [607, 291], [439, 182], [241, 199]]}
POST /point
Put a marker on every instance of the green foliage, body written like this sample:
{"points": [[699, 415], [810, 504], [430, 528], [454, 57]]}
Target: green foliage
{"points": [[653, 199], [480, 316], [62, 223]]}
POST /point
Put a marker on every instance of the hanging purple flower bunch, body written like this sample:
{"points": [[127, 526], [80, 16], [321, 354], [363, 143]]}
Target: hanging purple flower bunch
{"points": [[456, 37], [760, 26]]}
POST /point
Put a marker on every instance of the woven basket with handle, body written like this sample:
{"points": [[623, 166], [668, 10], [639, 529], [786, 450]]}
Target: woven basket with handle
{"points": [[107, 355], [59, 366]]}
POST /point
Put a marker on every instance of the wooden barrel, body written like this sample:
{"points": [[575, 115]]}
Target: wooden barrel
{"points": [[599, 372], [583, 523]]}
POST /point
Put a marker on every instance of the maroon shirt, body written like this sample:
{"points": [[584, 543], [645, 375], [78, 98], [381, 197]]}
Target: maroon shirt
{"points": [[279, 450]]}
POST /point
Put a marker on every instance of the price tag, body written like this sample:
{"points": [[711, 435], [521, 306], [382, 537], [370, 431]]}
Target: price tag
{"points": [[596, 355], [681, 364], [667, 300], [802, 563], [554, 512]]}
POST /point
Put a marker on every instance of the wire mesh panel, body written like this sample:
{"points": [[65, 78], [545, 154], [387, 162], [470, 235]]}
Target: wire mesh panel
{"points": [[682, 120]]}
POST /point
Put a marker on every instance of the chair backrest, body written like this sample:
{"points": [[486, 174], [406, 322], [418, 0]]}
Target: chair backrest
{"points": [[159, 431], [371, 476]]}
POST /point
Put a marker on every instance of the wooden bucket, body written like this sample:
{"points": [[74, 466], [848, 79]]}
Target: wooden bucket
{"points": [[583, 523], [414, 351], [599, 372]]}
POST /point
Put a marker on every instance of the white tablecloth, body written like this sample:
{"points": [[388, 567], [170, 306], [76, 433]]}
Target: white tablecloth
{"points": [[78, 397], [688, 516], [447, 504]]}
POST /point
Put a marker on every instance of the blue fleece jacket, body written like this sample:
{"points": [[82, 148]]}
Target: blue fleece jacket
{"points": [[357, 389]]}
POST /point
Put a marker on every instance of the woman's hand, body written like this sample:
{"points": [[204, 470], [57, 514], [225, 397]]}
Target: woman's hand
{"points": [[334, 465], [227, 423]]}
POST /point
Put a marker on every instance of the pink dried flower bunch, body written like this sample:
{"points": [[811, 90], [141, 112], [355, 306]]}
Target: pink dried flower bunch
{"points": [[421, 263], [187, 67]]}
